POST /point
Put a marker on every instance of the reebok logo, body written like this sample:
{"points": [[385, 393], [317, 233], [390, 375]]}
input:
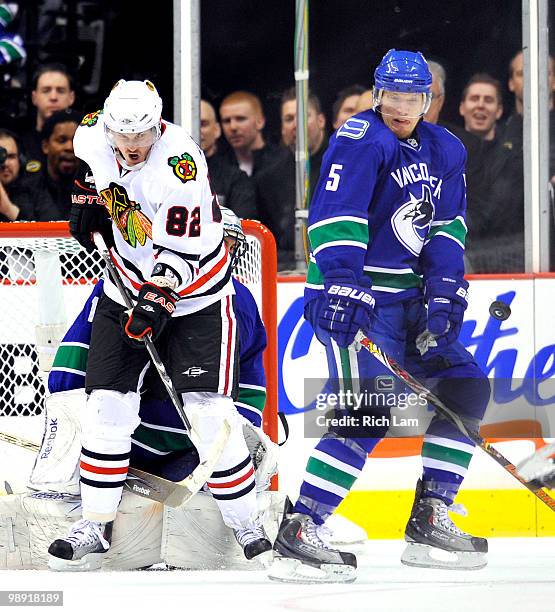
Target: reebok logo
{"points": [[141, 490], [353, 294], [147, 307]]}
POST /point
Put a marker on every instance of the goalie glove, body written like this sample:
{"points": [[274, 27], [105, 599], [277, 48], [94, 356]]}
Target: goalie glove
{"points": [[447, 299], [154, 307]]}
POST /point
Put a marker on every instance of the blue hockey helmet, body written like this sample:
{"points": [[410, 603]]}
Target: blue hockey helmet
{"points": [[404, 71]]}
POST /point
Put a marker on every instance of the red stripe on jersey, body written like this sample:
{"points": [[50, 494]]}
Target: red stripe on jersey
{"points": [[103, 470], [233, 483], [135, 284], [229, 340], [206, 277]]}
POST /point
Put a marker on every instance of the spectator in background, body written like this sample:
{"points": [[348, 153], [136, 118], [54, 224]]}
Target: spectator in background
{"points": [[513, 128], [275, 186], [52, 186], [481, 105], [15, 195], [345, 105], [437, 91], [495, 204], [366, 101], [513, 132], [52, 91], [232, 186], [242, 121]]}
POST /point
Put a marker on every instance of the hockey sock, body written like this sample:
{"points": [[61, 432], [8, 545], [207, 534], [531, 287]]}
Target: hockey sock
{"points": [[331, 471]]}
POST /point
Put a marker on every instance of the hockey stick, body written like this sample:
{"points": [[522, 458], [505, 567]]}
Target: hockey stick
{"points": [[446, 412], [203, 471], [143, 484]]}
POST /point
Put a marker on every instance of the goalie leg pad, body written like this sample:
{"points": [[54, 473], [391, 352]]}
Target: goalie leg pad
{"points": [[56, 465], [30, 522], [195, 537], [264, 454]]}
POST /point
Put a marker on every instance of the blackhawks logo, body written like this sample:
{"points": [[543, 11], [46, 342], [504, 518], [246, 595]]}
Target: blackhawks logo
{"points": [[91, 119], [184, 167], [126, 214]]}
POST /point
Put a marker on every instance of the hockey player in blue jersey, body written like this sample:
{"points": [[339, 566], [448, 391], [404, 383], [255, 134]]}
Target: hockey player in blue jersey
{"points": [[387, 231]]}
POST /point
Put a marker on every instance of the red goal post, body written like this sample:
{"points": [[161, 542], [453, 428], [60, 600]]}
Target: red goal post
{"points": [[24, 304]]}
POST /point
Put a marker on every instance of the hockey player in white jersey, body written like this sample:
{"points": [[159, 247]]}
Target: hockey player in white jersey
{"points": [[152, 185]]}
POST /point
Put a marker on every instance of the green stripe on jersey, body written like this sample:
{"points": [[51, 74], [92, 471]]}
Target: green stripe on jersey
{"points": [[455, 229], [255, 398], [313, 275], [330, 473], [164, 441], [338, 230], [405, 280], [73, 357], [446, 454]]}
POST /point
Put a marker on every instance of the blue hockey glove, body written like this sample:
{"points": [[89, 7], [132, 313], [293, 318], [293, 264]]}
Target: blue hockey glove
{"points": [[349, 306], [447, 301]]}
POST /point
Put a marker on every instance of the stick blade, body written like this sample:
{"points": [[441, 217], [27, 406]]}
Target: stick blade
{"points": [[176, 494]]}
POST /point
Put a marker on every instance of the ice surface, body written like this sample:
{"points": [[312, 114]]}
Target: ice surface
{"points": [[519, 577]]}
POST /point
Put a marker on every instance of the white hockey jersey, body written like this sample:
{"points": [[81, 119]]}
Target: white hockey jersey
{"points": [[164, 212]]}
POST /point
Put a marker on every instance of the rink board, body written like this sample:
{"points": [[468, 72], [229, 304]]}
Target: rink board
{"points": [[381, 498]]}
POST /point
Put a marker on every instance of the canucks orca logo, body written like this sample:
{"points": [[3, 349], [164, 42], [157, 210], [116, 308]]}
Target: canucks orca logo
{"points": [[412, 221]]}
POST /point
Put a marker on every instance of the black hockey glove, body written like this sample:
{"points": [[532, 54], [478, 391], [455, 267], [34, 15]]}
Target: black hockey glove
{"points": [[154, 307], [447, 300], [85, 219], [349, 307]]}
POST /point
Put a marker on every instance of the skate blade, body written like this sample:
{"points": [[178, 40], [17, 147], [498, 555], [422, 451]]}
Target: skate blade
{"points": [[293, 570], [423, 555], [90, 562], [264, 559]]}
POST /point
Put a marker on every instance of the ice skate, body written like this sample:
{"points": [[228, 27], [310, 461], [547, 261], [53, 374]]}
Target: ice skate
{"points": [[343, 532], [433, 540], [302, 555], [255, 543], [82, 548]]}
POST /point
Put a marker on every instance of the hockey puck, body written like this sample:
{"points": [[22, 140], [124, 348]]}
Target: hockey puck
{"points": [[499, 310]]}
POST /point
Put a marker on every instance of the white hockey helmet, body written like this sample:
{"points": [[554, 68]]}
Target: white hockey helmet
{"points": [[233, 234], [133, 108]]}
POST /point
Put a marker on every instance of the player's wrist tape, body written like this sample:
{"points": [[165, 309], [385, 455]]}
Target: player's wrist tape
{"points": [[164, 275]]}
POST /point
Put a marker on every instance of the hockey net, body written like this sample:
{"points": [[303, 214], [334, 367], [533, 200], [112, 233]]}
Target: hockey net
{"points": [[46, 277]]}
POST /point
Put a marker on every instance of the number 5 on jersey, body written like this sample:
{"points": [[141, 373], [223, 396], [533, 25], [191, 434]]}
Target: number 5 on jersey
{"points": [[333, 183], [180, 223]]}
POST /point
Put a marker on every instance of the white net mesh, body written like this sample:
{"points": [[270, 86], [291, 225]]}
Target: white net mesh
{"points": [[46, 281]]}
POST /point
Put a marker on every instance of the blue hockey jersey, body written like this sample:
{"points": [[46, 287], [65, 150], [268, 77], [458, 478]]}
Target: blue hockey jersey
{"points": [[388, 208]]}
